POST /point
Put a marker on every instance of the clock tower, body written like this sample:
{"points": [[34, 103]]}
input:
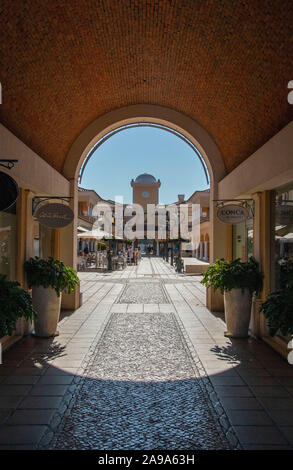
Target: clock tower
{"points": [[145, 190]]}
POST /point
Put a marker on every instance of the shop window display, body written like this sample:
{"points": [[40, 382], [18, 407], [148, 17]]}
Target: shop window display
{"points": [[8, 237]]}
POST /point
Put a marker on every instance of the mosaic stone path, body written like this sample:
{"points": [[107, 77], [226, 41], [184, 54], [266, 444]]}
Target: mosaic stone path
{"points": [[143, 364], [143, 293], [142, 391]]}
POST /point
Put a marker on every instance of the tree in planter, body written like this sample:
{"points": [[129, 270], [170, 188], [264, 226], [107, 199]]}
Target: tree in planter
{"points": [[48, 278], [15, 303], [278, 307], [50, 273], [225, 275], [237, 280]]}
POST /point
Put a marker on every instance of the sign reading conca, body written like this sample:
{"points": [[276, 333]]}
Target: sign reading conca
{"points": [[54, 215], [232, 214]]}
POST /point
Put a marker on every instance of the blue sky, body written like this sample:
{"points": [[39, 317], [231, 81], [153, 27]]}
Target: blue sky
{"points": [[144, 150]]}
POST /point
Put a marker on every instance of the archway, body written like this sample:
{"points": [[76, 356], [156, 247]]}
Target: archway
{"points": [[145, 113]]}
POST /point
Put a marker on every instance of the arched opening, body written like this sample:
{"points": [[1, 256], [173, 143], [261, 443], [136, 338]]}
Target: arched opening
{"points": [[176, 122], [142, 125]]}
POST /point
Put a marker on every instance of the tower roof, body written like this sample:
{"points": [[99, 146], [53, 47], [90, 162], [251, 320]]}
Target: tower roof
{"points": [[145, 178]]}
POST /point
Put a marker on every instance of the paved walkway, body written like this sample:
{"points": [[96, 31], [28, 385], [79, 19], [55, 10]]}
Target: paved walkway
{"points": [[144, 365]]}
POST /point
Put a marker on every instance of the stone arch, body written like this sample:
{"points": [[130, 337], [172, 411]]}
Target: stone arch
{"points": [[145, 113], [171, 118]]}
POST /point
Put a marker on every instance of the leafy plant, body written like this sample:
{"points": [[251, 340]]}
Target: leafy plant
{"points": [[278, 310], [278, 307], [225, 275], [50, 273], [15, 303]]}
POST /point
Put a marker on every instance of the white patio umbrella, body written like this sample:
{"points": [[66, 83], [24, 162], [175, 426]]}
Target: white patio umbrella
{"points": [[97, 234]]}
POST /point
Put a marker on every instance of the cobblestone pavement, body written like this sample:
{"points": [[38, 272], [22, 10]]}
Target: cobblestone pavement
{"points": [[143, 364], [141, 392], [143, 293]]}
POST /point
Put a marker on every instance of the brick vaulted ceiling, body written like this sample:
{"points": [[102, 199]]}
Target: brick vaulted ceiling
{"points": [[224, 63]]}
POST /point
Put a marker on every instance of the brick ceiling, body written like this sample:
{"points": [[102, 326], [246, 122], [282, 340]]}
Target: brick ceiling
{"points": [[224, 63]]}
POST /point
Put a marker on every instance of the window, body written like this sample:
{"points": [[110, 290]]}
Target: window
{"points": [[8, 245]]}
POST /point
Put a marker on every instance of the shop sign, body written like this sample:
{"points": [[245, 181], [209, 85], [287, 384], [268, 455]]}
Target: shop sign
{"points": [[8, 191], [232, 214], [284, 214], [54, 215]]}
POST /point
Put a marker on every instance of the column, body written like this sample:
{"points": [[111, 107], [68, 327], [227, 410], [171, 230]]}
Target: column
{"points": [[68, 248], [201, 250], [218, 249]]}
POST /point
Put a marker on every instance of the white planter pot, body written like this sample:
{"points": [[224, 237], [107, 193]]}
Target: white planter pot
{"points": [[237, 312], [47, 305]]}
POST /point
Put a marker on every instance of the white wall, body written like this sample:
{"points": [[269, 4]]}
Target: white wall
{"points": [[269, 167], [31, 171]]}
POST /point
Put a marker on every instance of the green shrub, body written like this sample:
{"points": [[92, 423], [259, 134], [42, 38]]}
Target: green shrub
{"points": [[278, 310], [225, 275], [14, 304], [50, 273], [278, 307]]}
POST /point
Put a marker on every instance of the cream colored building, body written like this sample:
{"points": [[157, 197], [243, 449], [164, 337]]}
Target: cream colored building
{"points": [[264, 179], [202, 198]]}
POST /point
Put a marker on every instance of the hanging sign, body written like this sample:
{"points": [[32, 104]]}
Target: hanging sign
{"points": [[54, 215], [8, 191], [232, 214], [284, 214]]}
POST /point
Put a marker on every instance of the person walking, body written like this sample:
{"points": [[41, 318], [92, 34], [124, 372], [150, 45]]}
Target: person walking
{"points": [[135, 256]]}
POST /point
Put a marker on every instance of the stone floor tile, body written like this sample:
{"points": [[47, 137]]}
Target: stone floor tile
{"points": [[14, 390], [56, 379], [31, 417], [4, 414], [9, 402], [49, 390], [260, 435], [269, 391], [281, 417], [44, 403], [233, 391], [249, 372], [266, 447], [61, 370], [240, 403], [260, 381], [274, 403], [14, 435], [29, 371], [288, 432], [249, 417], [219, 380], [135, 308]]}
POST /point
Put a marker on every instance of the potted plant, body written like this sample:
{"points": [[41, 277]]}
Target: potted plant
{"points": [[278, 307], [237, 280], [48, 278], [15, 303]]}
